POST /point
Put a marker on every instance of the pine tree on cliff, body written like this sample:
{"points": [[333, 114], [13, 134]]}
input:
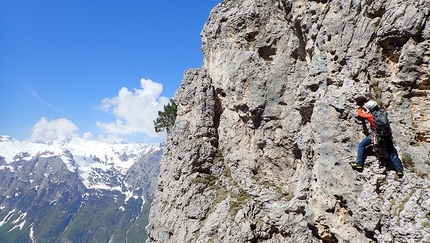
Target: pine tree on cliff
{"points": [[166, 118]]}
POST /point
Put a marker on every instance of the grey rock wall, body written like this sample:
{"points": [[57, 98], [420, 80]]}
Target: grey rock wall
{"points": [[266, 128]]}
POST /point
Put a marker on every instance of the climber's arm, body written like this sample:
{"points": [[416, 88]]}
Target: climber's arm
{"points": [[363, 114]]}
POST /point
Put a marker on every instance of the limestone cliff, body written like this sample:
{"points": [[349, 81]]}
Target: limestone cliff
{"points": [[266, 129]]}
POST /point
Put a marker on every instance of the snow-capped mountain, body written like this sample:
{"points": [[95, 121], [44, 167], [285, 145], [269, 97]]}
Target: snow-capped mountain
{"points": [[67, 183], [90, 159]]}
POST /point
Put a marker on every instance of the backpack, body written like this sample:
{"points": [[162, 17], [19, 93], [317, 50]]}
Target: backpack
{"points": [[382, 123]]}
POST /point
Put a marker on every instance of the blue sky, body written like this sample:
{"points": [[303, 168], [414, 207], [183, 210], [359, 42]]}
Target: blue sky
{"points": [[96, 69]]}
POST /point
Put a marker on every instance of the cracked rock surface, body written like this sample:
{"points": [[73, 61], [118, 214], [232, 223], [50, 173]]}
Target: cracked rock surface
{"points": [[266, 128]]}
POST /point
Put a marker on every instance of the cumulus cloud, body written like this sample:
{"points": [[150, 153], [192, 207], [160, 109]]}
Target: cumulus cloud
{"points": [[111, 138], [134, 110], [48, 130], [87, 136]]}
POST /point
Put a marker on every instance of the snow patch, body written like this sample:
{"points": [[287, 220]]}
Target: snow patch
{"points": [[21, 217], [17, 221], [32, 234], [4, 167], [20, 226], [8, 216], [128, 195], [69, 162], [143, 204]]}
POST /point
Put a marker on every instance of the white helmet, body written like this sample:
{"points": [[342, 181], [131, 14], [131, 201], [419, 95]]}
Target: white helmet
{"points": [[371, 105]]}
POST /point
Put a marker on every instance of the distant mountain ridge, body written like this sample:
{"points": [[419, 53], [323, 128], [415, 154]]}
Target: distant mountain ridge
{"points": [[75, 190]]}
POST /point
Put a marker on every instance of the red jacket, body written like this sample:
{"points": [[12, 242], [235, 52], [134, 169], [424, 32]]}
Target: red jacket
{"points": [[367, 116]]}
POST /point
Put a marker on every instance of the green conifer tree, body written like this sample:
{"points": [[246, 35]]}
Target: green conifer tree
{"points": [[166, 118]]}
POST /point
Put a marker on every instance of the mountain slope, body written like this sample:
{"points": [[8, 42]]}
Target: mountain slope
{"points": [[266, 129], [73, 190]]}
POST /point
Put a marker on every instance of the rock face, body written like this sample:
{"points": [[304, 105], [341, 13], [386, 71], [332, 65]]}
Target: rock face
{"points": [[266, 129]]}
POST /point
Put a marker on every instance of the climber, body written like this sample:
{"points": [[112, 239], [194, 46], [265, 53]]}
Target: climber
{"points": [[365, 112]]}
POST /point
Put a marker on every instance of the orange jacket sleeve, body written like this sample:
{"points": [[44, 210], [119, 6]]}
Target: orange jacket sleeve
{"points": [[367, 116]]}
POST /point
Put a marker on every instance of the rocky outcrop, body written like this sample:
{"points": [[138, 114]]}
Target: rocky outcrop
{"points": [[266, 128]]}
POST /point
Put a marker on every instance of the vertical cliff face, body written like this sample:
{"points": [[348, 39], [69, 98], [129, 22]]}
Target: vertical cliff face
{"points": [[266, 129]]}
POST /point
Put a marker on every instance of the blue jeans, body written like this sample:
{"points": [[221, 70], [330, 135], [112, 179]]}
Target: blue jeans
{"points": [[389, 146], [363, 144], [394, 157]]}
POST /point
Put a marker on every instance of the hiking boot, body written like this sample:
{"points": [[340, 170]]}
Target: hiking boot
{"points": [[399, 174], [356, 166]]}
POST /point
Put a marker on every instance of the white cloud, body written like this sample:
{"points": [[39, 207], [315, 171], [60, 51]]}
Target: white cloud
{"points": [[134, 110], [48, 130], [87, 136], [111, 138]]}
